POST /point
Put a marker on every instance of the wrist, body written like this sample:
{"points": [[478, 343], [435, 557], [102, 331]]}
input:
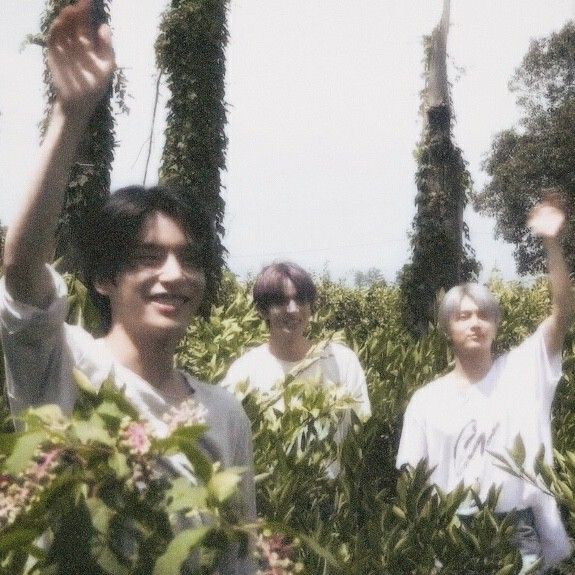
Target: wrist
{"points": [[70, 116]]}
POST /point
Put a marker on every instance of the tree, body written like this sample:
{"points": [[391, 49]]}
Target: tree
{"points": [[537, 154], [373, 276], [190, 55], [440, 259]]}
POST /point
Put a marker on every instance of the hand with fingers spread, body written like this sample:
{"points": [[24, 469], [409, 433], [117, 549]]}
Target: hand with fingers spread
{"points": [[547, 218], [80, 58]]}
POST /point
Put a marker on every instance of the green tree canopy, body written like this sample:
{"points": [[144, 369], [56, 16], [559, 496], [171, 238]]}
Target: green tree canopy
{"points": [[539, 152]]}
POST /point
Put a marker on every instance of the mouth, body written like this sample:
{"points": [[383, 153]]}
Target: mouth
{"points": [[169, 301]]}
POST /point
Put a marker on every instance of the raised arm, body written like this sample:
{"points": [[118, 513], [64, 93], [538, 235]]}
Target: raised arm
{"points": [[547, 220], [81, 61]]}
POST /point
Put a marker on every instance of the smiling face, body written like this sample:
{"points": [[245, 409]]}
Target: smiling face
{"points": [[471, 329], [288, 315], [161, 288]]}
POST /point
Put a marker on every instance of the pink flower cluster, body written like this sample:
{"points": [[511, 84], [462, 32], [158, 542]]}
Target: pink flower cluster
{"points": [[135, 436], [18, 493], [275, 555], [189, 412]]}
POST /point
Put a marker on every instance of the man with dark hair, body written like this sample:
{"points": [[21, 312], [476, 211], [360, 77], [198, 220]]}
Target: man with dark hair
{"points": [[284, 295], [480, 407], [147, 267]]}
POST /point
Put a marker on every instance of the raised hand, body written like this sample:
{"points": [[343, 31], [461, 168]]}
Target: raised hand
{"points": [[547, 218], [80, 58]]}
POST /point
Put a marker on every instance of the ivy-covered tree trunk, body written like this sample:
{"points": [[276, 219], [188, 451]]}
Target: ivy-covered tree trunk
{"points": [[89, 183], [190, 53], [439, 258]]}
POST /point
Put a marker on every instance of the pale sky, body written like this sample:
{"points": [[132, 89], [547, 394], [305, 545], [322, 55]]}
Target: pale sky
{"points": [[323, 99]]}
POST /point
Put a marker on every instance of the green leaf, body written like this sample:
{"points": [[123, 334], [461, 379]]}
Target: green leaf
{"points": [[170, 563], [93, 430], [183, 495], [25, 448], [84, 383], [223, 484], [119, 464], [17, 537], [518, 451]]}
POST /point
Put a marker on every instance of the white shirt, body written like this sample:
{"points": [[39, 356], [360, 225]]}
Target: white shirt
{"points": [[335, 365], [456, 428]]}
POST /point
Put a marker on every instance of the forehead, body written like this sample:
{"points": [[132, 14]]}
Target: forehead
{"points": [[161, 229], [467, 304]]}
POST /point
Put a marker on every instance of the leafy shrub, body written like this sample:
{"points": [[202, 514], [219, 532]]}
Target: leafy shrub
{"points": [[94, 486], [370, 518]]}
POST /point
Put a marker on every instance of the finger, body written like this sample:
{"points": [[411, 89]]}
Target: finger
{"points": [[72, 20], [105, 45]]}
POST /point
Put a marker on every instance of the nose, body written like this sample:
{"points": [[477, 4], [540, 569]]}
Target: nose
{"points": [[292, 306], [172, 268]]}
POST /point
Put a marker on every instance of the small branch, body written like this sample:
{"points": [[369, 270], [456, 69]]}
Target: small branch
{"points": [[151, 139]]}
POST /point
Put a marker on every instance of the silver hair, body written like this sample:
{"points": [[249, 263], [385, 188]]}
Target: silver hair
{"points": [[482, 297]]}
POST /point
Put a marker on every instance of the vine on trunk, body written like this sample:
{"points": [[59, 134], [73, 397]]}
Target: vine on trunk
{"points": [[190, 55]]}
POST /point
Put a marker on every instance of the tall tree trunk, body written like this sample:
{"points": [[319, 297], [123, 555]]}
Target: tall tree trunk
{"points": [[190, 54], [439, 258]]}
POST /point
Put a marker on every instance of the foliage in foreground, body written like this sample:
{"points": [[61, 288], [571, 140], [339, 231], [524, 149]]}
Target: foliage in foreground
{"points": [[370, 518], [95, 487]]}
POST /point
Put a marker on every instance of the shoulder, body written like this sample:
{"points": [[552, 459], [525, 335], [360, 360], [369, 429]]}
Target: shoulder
{"points": [[341, 352], [217, 399], [432, 391], [243, 367], [251, 356]]}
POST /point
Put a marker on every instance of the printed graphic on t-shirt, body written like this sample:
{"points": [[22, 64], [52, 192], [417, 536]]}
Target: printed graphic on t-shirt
{"points": [[470, 447]]}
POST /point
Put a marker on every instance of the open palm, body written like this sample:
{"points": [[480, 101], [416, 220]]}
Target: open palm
{"points": [[80, 57]]}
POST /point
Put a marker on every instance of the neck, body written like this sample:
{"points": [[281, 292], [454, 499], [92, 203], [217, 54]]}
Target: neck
{"points": [[472, 368], [152, 358], [289, 348]]}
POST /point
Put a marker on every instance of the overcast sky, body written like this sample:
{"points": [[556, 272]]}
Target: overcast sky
{"points": [[323, 99]]}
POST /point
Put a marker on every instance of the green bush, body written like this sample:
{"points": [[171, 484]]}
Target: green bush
{"points": [[370, 518]]}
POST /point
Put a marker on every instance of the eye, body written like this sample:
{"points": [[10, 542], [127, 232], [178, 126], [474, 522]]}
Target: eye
{"points": [[192, 257], [277, 300], [147, 256]]}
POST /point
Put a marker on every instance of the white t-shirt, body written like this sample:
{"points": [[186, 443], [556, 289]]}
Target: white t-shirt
{"points": [[335, 365], [455, 428], [41, 351]]}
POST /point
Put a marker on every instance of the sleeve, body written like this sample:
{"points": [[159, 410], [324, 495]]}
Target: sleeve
{"points": [[413, 442], [33, 342], [549, 365], [535, 372]]}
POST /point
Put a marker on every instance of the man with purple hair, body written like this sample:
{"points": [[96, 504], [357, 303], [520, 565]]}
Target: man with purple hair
{"points": [[284, 295]]}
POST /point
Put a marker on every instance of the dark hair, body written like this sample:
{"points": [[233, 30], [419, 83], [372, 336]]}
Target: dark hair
{"points": [[114, 233], [269, 286]]}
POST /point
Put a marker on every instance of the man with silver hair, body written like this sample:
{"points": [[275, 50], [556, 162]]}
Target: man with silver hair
{"points": [[459, 420]]}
